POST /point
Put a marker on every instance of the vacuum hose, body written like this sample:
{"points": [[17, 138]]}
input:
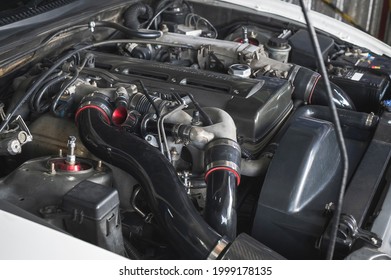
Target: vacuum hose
{"points": [[131, 33]]}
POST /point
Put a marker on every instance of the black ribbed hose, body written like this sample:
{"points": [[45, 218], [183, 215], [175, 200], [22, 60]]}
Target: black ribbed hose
{"points": [[134, 13], [188, 233]]}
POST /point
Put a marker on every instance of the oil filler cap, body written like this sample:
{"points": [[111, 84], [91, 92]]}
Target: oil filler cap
{"points": [[240, 70]]}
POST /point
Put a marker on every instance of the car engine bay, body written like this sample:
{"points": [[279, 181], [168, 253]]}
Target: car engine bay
{"points": [[185, 130]]}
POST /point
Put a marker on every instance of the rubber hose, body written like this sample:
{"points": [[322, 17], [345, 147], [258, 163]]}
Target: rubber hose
{"points": [[222, 176], [340, 98], [131, 33], [347, 118], [134, 12], [309, 87], [220, 208]]}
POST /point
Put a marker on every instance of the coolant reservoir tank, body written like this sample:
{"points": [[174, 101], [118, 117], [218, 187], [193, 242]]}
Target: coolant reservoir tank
{"points": [[278, 49]]}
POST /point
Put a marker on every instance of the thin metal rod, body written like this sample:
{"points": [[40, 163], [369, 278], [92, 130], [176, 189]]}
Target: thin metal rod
{"points": [[338, 129]]}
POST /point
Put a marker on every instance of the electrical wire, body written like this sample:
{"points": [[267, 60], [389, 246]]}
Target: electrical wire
{"points": [[45, 75], [193, 20], [164, 5], [208, 121], [42, 44], [36, 100], [69, 83], [158, 14], [338, 129]]}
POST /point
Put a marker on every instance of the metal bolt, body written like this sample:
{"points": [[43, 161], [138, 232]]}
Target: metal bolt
{"points": [[52, 168], [174, 151], [236, 91], [14, 147], [196, 120], [71, 158], [329, 207], [92, 26], [164, 28], [99, 166], [374, 240], [133, 88], [121, 91], [22, 137], [174, 154], [245, 34]]}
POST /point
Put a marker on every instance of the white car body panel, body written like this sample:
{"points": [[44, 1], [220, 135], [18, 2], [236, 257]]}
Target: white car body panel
{"points": [[22, 239], [345, 32]]}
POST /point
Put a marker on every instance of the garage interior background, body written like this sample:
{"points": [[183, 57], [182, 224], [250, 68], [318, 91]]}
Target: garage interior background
{"points": [[373, 16]]}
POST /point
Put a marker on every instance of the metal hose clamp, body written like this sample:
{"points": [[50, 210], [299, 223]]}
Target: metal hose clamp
{"points": [[219, 248]]}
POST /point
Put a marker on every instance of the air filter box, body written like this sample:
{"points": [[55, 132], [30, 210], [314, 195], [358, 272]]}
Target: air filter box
{"points": [[303, 177], [302, 50]]}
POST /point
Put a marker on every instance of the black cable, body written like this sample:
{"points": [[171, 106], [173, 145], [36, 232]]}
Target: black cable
{"points": [[36, 100], [161, 4], [146, 94], [338, 129], [164, 5], [52, 77], [68, 84], [158, 14], [189, 6], [177, 97], [60, 93], [205, 116], [146, 34], [44, 76]]}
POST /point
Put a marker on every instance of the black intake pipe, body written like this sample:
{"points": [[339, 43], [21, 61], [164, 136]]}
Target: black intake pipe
{"points": [[349, 118], [222, 176], [309, 87], [187, 231]]}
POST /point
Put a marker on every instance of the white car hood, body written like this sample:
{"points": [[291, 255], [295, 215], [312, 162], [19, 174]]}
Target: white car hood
{"points": [[322, 22]]}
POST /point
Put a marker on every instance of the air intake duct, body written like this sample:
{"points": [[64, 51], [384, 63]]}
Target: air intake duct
{"points": [[309, 87]]}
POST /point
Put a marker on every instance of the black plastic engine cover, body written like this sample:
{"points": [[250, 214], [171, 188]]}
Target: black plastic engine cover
{"points": [[303, 177]]}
